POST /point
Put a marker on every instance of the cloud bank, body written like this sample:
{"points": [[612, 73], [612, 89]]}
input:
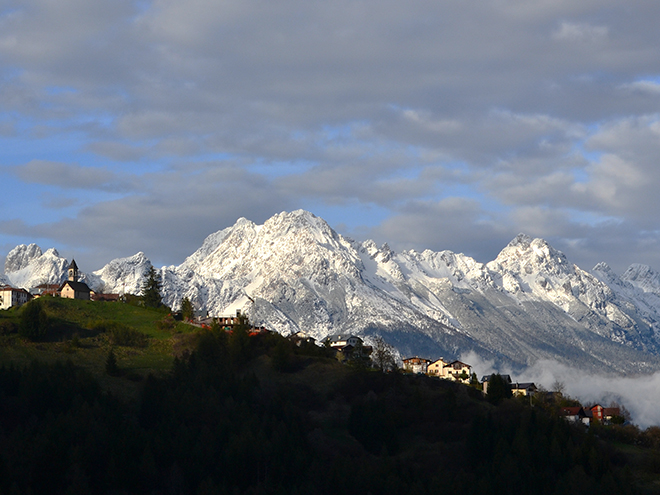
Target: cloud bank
{"points": [[640, 395], [426, 124]]}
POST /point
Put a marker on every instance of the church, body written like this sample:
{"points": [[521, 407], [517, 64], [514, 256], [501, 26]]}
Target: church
{"points": [[72, 289]]}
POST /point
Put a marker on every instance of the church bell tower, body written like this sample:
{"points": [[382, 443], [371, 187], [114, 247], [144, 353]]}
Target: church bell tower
{"points": [[73, 271]]}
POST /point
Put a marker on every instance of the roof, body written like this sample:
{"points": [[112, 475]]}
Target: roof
{"points": [[73, 265], [520, 386], [417, 357], [77, 286], [457, 362], [486, 378], [340, 337]]}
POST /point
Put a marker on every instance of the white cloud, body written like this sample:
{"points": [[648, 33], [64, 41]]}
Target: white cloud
{"points": [[645, 86], [580, 32]]}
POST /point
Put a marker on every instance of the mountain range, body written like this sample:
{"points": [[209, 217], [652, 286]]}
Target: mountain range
{"points": [[296, 273]]}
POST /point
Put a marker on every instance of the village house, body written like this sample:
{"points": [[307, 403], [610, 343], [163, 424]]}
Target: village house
{"points": [[523, 389], [45, 290], [576, 414], [11, 296], [348, 347], [300, 338], [604, 414], [416, 364], [457, 371], [71, 288], [341, 340], [436, 368]]}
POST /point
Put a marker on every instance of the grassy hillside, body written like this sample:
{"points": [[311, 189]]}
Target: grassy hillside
{"points": [[255, 415], [77, 331]]}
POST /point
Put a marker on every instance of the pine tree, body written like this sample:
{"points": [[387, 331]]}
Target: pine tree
{"points": [[111, 366], [187, 311], [151, 289]]}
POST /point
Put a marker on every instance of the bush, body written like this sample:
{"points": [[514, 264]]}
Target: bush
{"points": [[122, 334], [34, 321], [166, 323], [8, 327]]}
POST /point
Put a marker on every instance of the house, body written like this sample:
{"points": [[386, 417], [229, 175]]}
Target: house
{"points": [[348, 347], [11, 296], [301, 338], [45, 290], [436, 368], [523, 389], [416, 364], [604, 414], [341, 340], [576, 414], [457, 371], [72, 289]]}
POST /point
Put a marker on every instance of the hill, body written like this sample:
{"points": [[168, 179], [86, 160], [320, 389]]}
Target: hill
{"points": [[294, 272], [145, 340], [240, 414]]}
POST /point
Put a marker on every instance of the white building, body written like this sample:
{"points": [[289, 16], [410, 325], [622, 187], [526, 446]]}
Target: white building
{"points": [[10, 296]]}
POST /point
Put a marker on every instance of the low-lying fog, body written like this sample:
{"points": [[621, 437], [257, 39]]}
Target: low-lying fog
{"points": [[640, 395]]}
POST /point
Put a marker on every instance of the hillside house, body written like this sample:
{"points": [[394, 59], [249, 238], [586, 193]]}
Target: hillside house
{"points": [[604, 414], [576, 414], [416, 364], [11, 296], [436, 368], [45, 290], [523, 389], [457, 371], [341, 340], [300, 338]]}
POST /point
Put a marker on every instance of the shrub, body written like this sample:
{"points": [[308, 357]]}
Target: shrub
{"points": [[8, 327], [122, 334], [166, 323], [34, 321]]}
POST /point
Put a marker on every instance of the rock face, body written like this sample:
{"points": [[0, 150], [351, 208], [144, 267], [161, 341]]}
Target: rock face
{"points": [[295, 273]]}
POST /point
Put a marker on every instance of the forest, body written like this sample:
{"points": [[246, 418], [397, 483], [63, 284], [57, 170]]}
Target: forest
{"points": [[240, 414]]}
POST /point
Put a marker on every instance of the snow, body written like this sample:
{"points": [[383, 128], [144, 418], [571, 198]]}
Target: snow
{"points": [[529, 303]]}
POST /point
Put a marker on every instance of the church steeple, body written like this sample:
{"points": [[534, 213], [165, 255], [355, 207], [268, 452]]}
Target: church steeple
{"points": [[73, 271]]}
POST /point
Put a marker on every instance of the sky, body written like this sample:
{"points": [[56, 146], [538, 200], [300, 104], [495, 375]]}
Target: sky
{"points": [[133, 125]]}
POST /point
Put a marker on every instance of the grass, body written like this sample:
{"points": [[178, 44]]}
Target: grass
{"points": [[82, 331]]}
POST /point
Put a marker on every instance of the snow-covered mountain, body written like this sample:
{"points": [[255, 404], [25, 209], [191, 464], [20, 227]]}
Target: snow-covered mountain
{"points": [[28, 266], [295, 273]]}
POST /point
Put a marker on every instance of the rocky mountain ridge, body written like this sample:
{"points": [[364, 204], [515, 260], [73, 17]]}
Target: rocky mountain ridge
{"points": [[295, 273]]}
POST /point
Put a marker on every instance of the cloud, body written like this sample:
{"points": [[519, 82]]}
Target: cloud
{"points": [[460, 123], [580, 32], [647, 87], [168, 220], [70, 176], [638, 394]]}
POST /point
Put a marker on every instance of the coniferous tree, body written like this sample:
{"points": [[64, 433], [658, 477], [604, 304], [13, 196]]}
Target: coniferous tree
{"points": [[151, 289], [498, 389], [34, 321], [111, 366], [187, 311]]}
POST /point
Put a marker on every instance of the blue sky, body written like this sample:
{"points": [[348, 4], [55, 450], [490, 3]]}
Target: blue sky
{"points": [[131, 126]]}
